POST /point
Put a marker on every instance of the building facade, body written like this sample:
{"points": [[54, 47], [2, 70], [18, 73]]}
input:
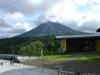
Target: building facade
{"points": [[76, 43]]}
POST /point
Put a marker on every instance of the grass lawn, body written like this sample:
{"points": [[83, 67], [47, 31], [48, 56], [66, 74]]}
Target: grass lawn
{"points": [[92, 58]]}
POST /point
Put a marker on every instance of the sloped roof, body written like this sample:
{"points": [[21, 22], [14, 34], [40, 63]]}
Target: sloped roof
{"points": [[95, 35]]}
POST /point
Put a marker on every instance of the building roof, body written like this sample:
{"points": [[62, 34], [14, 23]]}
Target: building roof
{"points": [[95, 35]]}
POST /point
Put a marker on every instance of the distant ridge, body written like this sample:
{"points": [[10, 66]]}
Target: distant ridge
{"points": [[50, 28]]}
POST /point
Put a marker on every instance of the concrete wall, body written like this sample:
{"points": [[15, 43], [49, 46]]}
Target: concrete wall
{"points": [[97, 44]]}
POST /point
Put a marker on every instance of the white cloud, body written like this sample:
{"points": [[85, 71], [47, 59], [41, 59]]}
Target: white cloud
{"points": [[7, 30], [25, 26], [18, 26], [26, 14], [35, 2], [75, 10], [15, 16], [90, 26], [63, 10], [80, 2]]}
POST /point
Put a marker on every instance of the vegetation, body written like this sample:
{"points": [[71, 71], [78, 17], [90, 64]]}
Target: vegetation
{"points": [[29, 46], [34, 48], [27, 43], [81, 57]]}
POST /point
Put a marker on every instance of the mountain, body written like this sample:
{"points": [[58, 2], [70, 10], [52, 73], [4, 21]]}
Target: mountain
{"points": [[50, 28]]}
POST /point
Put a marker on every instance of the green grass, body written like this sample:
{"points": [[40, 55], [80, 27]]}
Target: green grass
{"points": [[91, 59], [79, 57], [56, 57]]}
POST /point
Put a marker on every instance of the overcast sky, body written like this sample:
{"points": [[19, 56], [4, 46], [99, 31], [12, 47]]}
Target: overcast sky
{"points": [[19, 16]]}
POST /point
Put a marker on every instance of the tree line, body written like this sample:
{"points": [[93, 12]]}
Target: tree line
{"points": [[32, 46]]}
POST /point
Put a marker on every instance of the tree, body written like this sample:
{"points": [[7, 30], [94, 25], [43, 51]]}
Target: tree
{"points": [[34, 48], [38, 47], [51, 48]]}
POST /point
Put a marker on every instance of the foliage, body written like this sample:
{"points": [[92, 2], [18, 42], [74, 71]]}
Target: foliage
{"points": [[34, 48], [29, 45], [82, 57], [51, 48]]}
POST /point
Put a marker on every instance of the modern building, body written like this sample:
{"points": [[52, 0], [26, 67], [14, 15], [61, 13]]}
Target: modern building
{"points": [[74, 43]]}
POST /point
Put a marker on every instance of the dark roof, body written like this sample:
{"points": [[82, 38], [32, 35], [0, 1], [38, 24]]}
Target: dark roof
{"points": [[97, 35]]}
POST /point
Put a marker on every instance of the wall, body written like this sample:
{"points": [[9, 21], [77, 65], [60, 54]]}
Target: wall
{"points": [[63, 43], [76, 45], [64, 46]]}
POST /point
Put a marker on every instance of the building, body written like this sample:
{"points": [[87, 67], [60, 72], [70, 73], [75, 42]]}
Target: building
{"points": [[74, 43]]}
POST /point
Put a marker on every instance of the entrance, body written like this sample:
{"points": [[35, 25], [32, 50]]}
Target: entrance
{"points": [[79, 45], [87, 45]]}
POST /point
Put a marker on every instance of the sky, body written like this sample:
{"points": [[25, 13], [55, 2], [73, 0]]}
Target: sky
{"points": [[19, 16]]}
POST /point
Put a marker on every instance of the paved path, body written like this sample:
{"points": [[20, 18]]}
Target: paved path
{"points": [[34, 71], [6, 66], [20, 69], [23, 72]]}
